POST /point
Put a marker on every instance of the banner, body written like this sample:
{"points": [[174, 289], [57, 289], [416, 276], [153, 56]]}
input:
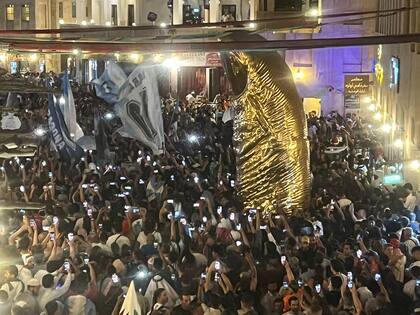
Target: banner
{"points": [[67, 149], [69, 110], [355, 87], [103, 153], [136, 102]]}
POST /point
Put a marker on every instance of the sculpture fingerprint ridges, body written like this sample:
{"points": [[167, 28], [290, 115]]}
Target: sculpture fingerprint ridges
{"points": [[270, 136]]}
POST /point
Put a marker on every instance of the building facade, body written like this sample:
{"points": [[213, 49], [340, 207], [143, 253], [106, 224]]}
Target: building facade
{"points": [[320, 73], [397, 93]]}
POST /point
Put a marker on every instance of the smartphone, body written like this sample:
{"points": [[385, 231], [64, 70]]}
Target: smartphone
{"points": [[350, 275], [155, 245], [318, 288], [203, 275], [123, 178], [55, 220], [170, 216], [217, 265], [173, 277], [300, 283], [285, 284], [219, 210], [359, 253], [183, 221], [52, 236], [89, 212], [141, 182], [250, 219], [100, 225], [172, 177], [238, 243], [216, 276], [44, 163], [84, 186], [66, 265], [50, 174], [70, 236], [22, 189], [202, 198], [263, 227], [115, 278], [378, 277], [350, 284], [232, 183], [170, 201], [86, 260], [238, 226], [196, 205], [417, 283], [283, 260], [232, 216], [204, 219]]}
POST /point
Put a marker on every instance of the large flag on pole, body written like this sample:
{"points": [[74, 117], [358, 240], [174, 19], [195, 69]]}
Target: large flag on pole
{"points": [[136, 101], [65, 146], [131, 305], [68, 109], [103, 154]]}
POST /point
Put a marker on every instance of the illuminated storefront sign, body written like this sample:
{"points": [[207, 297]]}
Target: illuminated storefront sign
{"points": [[355, 86]]}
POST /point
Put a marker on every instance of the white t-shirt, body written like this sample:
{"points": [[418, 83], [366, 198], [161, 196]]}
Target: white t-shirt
{"points": [[410, 202]]}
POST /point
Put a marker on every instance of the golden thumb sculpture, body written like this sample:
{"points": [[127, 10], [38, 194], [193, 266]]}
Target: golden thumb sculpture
{"points": [[270, 133]]}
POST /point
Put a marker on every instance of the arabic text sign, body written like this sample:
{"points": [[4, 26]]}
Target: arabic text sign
{"points": [[356, 84]]}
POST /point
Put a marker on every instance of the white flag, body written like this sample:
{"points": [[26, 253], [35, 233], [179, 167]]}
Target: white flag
{"points": [[137, 103], [69, 110], [131, 304]]}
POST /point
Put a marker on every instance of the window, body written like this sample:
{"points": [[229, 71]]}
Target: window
{"points": [[228, 13], [288, 5], [114, 14], [73, 8], [25, 13], [60, 10], [130, 19], [10, 12]]}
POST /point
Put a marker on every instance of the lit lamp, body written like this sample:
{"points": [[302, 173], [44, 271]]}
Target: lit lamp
{"points": [[298, 75], [377, 116], [372, 107], [314, 13], [252, 25], [33, 57], [84, 23], [76, 51], [172, 63], [61, 21], [399, 143], [415, 164], [386, 128]]}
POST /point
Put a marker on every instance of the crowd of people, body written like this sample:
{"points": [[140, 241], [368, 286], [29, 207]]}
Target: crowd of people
{"points": [[173, 225]]}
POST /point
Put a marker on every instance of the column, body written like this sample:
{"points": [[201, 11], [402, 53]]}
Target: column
{"points": [[253, 5], [177, 12], [214, 11], [122, 12]]}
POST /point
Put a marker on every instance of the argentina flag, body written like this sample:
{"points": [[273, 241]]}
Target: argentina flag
{"points": [[60, 135]]}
